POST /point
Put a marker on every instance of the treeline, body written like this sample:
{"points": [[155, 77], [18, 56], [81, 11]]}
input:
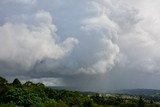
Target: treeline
{"points": [[29, 94]]}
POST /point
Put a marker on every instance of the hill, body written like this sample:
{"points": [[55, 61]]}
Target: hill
{"points": [[29, 94], [148, 94]]}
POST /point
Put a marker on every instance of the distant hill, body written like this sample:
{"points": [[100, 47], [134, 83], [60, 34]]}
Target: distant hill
{"points": [[132, 92], [137, 91], [73, 89], [146, 93], [63, 88]]}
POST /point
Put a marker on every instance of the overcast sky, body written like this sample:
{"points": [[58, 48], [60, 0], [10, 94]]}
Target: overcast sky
{"points": [[94, 45]]}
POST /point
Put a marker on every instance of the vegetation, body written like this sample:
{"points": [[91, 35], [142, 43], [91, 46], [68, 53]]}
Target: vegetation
{"points": [[30, 94]]}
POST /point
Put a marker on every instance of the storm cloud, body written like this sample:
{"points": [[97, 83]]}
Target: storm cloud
{"points": [[90, 45]]}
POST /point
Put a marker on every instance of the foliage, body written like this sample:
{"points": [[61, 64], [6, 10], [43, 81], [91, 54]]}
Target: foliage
{"points": [[30, 94], [50, 103], [3, 81], [11, 104], [16, 83], [23, 97]]}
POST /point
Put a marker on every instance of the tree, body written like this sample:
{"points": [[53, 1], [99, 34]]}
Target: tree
{"points": [[10, 104], [40, 85], [3, 81], [61, 104], [151, 101], [87, 103], [29, 83], [23, 98], [140, 102], [3, 87], [17, 83], [50, 103]]}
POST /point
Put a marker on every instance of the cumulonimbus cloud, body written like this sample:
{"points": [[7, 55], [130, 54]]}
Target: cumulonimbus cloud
{"points": [[81, 41]]}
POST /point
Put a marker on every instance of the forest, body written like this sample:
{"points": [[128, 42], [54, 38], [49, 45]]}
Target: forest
{"points": [[31, 94]]}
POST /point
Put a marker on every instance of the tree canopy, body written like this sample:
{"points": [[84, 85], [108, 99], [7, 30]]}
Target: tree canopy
{"points": [[31, 94]]}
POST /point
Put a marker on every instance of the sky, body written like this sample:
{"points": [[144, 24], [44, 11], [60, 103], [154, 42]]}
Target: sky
{"points": [[94, 45]]}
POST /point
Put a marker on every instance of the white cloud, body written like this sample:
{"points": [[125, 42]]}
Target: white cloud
{"points": [[47, 81], [143, 37], [112, 37], [106, 50], [24, 44]]}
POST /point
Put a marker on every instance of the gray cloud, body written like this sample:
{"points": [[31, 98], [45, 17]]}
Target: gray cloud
{"points": [[24, 43], [19, 1], [91, 45]]}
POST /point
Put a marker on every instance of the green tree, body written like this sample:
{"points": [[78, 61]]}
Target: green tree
{"points": [[88, 103], [3, 81], [151, 101], [16, 83], [140, 102], [50, 103], [61, 104], [11, 104], [29, 83], [23, 98], [3, 88]]}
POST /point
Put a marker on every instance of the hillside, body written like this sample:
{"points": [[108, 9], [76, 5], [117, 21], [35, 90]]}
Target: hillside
{"points": [[29, 94]]}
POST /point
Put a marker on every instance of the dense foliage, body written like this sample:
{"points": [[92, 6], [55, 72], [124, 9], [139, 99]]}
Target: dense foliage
{"points": [[30, 94]]}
